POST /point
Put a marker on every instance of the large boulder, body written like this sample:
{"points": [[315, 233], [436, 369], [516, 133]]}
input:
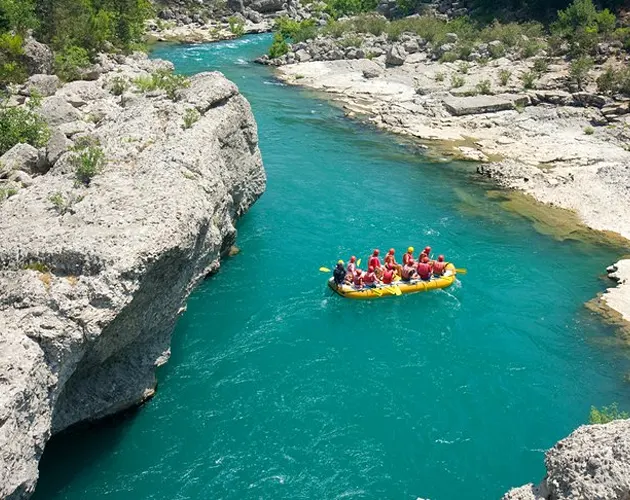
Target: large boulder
{"points": [[23, 157], [593, 463], [38, 57], [57, 110], [266, 6], [396, 55], [43, 85], [474, 105]]}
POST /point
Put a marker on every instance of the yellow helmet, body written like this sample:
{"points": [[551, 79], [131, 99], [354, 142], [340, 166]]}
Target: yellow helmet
{"points": [[411, 250], [340, 262]]}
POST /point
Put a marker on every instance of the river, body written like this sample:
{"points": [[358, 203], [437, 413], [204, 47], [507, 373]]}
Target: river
{"points": [[276, 389]]}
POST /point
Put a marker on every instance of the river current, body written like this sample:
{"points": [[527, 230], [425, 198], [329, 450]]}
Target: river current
{"points": [[276, 389]]}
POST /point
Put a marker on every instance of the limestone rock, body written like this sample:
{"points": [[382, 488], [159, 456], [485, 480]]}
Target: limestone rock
{"points": [[20, 157], [592, 463], [460, 106], [57, 110], [396, 55], [266, 6], [372, 72], [302, 56], [44, 85], [38, 57], [79, 340], [57, 145]]}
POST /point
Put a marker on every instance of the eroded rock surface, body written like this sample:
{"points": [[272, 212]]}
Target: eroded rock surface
{"points": [[593, 463], [91, 284]]}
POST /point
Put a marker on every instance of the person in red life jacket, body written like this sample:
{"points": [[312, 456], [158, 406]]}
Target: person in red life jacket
{"points": [[408, 255], [358, 278], [352, 265], [370, 278], [421, 257], [424, 269], [390, 259], [408, 270], [388, 274], [427, 251], [375, 262], [439, 266]]}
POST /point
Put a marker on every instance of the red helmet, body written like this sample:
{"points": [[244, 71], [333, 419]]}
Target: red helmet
{"points": [[376, 252], [371, 269], [392, 251], [441, 258], [353, 259], [427, 250], [425, 260]]}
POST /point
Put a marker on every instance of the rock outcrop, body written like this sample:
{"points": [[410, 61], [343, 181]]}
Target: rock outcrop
{"points": [[592, 463], [92, 277]]}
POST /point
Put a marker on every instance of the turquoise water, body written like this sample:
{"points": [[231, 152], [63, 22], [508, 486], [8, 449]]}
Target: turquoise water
{"points": [[276, 389]]}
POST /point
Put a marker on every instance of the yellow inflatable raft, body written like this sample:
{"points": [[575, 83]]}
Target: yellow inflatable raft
{"points": [[382, 290]]}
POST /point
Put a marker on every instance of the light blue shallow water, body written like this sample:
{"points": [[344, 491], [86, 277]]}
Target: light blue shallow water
{"points": [[278, 390]]}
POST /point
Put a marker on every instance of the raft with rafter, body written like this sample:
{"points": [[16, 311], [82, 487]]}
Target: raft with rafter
{"points": [[381, 290]]}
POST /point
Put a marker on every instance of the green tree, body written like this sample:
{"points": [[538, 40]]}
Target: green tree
{"points": [[17, 15]]}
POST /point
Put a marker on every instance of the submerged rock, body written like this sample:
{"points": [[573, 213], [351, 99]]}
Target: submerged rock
{"points": [[92, 278]]}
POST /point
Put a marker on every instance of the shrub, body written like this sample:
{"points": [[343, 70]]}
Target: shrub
{"points": [[541, 66], [607, 82], [119, 85], [191, 116], [529, 79], [464, 50], [606, 414], [7, 192], [351, 41], [297, 31], [70, 62], [36, 265], [579, 70], [457, 81], [162, 79], [236, 26], [279, 46], [338, 8], [504, 76], [580, 24], [464, 67], [88, 163], [59, 203], [530, 48], [496, 50], [589, 130], [12, 69], [484, 87], [22, 125], [369, 23], [439, 76], [448, 57]]}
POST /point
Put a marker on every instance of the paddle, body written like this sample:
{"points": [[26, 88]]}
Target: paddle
{"points": [[324, 270], [358, 262], [461, 271]]}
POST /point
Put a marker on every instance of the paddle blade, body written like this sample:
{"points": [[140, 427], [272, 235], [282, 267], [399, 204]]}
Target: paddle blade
{"points": [[397, 290], [324, 270], [461, 271], [358, 262]]}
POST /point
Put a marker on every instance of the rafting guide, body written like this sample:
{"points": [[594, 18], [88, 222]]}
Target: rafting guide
{"points": [[390, 277]]}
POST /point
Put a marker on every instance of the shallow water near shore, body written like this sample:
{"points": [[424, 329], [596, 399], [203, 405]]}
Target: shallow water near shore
{"points": [[276, 389]]}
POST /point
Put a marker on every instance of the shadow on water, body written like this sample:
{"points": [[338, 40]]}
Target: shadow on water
{"points": [[80, 450]]}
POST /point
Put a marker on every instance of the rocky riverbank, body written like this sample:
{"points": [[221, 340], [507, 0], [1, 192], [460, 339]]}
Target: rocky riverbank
{"points": [[592, 463], [96, 264], [565, 146]]}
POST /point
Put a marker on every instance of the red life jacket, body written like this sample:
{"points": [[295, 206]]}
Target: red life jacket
{"points": [[438, 268], [374, 262], [388, 276], [424, 270], [369, 278]]}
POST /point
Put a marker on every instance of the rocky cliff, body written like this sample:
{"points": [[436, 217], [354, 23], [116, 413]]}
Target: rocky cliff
{"points": [[92, 277], [592, 463]]}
